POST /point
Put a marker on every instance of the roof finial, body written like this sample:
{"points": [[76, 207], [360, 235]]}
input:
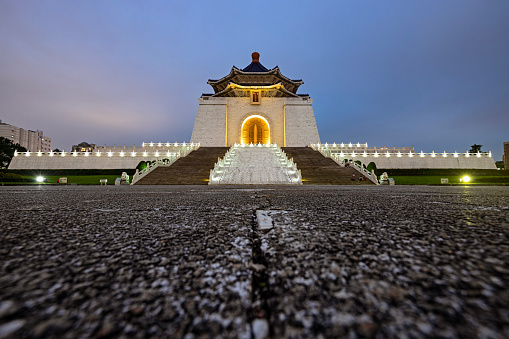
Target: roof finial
{"points": [[256, 57]]}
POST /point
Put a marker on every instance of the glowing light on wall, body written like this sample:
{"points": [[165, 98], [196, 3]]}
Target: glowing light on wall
{"points": [[133, 154], [63, 153], [387, 154], [75, 154], [86, 153], [145, 153], [251, 117], [39, 153], [410, 154], [110, 153], [478, 154], [455, 154], [433, 154], [122, 153], [444, 154], [398, 155], [157, 154], [98, 153], [422, 154], [151, 144], [27, 153]]}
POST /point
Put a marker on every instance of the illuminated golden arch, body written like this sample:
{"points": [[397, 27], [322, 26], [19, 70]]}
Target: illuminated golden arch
{"points": [[255, 129]]}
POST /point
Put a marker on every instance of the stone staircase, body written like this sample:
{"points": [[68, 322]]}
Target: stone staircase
{"points": [[255, 165], [319, 170], [194, 169]]}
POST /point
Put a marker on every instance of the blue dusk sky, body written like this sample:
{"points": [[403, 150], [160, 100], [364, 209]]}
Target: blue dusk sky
{"points": [[433, 74]]}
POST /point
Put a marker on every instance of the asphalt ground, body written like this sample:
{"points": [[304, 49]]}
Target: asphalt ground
{"points": [[254, 262]]}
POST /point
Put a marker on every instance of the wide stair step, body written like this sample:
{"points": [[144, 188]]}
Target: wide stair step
{"points": [[194, 169], [319, 170]]}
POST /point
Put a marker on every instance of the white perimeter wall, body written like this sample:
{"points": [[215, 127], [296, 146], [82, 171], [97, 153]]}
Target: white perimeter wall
{"points": [[406, 162], [219, 120], [80, 162]]}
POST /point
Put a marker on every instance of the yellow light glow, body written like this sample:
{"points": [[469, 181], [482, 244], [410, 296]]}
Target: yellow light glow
{"points": [[39, 179], [466, 178], [252, 117]]}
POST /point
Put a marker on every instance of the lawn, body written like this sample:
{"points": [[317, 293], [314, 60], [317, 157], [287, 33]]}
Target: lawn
{"points": [[453, 179], [71, 179]]}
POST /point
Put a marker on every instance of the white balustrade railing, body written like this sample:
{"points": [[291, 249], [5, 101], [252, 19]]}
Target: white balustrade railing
{"points": [[328, 149], [117, 152], [167, 161], [370, 175]]}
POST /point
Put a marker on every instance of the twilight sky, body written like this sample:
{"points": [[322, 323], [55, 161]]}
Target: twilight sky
{"points": [[433, 74]]}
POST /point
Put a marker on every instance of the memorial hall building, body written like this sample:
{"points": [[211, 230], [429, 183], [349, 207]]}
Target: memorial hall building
{"points": [[255, 105]]}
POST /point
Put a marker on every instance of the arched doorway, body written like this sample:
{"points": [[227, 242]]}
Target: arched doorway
{"points": [[255, 129]]}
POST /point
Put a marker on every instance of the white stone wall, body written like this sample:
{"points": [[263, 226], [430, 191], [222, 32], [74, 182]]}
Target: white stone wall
{"points": [[210, 123], [406, 162], [81, 162], [301, 127]]}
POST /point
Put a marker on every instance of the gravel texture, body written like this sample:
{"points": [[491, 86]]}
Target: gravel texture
{"points": [[192, 261]]}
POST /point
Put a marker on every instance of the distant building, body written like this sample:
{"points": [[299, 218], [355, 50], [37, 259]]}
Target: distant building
{"points": [[505, 157], [83, 147], [31, 140]]}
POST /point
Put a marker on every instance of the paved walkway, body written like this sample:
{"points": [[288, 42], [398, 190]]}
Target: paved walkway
{"points": [[251, 262]]}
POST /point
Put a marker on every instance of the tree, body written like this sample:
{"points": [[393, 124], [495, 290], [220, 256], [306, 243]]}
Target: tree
{"points": [[7, 148], [475, 148]]}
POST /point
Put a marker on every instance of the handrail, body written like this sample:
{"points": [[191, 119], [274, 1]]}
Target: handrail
{"points": [[161, 162], [359, 168]]}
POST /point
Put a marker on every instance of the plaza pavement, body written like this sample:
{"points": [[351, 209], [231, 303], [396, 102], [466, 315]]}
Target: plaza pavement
{"points": [[254, 262]]}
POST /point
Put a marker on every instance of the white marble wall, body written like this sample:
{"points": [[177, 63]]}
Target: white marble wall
{"points": [[211, 124], [406, 162]]}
